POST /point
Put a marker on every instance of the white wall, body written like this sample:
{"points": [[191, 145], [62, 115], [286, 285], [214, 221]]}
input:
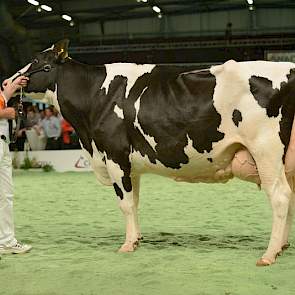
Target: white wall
{"points": [[62, 161]]}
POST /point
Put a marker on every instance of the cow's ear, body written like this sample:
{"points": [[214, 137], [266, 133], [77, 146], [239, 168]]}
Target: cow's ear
{"points": [[61, 50]]}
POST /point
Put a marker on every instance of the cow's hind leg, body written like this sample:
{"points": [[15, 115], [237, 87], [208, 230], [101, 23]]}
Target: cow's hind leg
{"points": [[290, 172], [135, 187], [274, 182], [123, 187], [285, 243]]}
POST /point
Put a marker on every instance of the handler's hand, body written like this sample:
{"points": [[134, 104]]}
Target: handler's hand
{"points": [[9, 87], [9, 113]]}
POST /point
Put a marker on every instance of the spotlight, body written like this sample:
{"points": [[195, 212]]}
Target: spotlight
{"points": [[72, 23], [156, 9], [66, 17], [250, 2], [39, 9], [46, 7], [33, 2], [251, 7], [160, 15]]}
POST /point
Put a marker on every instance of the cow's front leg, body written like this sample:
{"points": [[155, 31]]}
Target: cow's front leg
{"points": [[123, 188]]}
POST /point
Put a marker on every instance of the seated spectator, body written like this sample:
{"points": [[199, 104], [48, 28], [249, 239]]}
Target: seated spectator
{"points": [[33, 117], [52, 129]]}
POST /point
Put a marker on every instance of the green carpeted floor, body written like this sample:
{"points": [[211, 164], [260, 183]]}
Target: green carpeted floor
{"points": [[198, 240]]}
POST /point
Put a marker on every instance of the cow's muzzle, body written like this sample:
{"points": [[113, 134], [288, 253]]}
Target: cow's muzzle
{"points": [[45, 68]]}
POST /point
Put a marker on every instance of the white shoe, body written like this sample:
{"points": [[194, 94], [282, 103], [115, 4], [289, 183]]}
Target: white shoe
{"points": [[18, 248]]}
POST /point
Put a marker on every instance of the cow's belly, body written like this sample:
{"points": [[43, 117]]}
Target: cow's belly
{"points": [[210, 167]]}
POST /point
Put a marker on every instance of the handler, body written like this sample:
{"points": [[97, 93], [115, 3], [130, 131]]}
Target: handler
{"points": [[8, 242]]}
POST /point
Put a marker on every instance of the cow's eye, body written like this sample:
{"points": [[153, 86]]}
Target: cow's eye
{"points": [[35, 61]]}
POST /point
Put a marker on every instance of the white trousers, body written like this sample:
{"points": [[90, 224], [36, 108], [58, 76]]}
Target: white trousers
{"points": [[6, 197]]}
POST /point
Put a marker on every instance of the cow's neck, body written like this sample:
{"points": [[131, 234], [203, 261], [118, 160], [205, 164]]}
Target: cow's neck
{"points": [[78, 85]]}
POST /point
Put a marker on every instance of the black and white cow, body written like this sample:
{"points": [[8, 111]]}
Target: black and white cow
{"points": [[191, 125]]}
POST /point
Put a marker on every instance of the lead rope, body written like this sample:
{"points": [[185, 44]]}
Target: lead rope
{"points": [[19, 118]]}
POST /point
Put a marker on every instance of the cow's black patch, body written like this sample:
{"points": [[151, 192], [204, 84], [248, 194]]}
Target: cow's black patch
{"points": [[173, 108], [118, 191], [237, 117], [276, 101], [265, 95], [126, 180], [210, 160]]}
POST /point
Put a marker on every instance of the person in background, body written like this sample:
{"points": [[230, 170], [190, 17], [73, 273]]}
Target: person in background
{"points": [[33, 118], [52, 129], [8, 242], [67, 130], [56, 113]]}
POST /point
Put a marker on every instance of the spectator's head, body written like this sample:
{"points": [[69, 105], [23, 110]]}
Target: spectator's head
{"points": [[55, 111], [42, 114], [48, 112], [30, 111], [35, 108]]}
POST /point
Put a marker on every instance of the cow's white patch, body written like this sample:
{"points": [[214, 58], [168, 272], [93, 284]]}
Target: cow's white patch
{"points": [[119, 112], [115, 172], [131, 71], [149, 139], [98, 165], [51, 98], [232, 83], [276, 72], [20, 72]]}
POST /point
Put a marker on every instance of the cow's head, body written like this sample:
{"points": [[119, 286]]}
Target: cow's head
{"points": [[42, 72]]}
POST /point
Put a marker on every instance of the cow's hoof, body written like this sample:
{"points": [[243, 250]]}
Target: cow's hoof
{"points": [[263, 262], [128, 247], [286, 246]]}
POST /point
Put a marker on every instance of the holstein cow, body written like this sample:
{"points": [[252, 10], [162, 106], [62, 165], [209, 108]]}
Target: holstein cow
{"points": [[190, 125]]}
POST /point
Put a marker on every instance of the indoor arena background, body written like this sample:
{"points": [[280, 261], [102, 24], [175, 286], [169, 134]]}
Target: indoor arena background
{"points": [[199, 239]]}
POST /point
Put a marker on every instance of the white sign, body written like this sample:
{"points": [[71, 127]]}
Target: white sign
{"points": [[62, 161], [288, 56]]}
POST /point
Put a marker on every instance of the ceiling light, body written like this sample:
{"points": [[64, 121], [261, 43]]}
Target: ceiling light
{"points": [[66, 17], [251, 7], [39, 9], [160, 15], [72, 23], [33, 2], [156, 9], [46, 7], [250, 2], [144, 1]]}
